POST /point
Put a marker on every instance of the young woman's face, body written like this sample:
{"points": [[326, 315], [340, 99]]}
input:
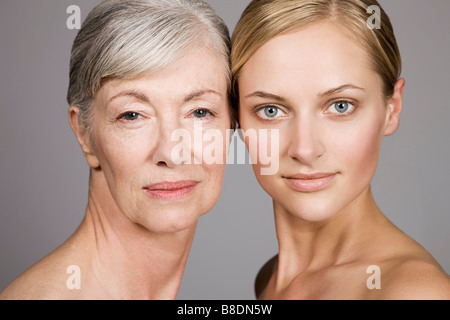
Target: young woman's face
{"points": [[317, 87], [142, 130]]}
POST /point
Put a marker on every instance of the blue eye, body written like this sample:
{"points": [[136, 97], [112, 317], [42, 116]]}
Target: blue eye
{"points": [[201, 113], [341, 106], [131, 116], [271, 111]]}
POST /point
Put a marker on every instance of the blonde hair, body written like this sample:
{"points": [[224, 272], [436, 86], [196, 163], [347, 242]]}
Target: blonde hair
{"points": [[124, 39], [263, 20]]}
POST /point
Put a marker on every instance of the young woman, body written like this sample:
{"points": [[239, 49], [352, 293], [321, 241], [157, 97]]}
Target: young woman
{"points": [[329, 83], [140, 70]]}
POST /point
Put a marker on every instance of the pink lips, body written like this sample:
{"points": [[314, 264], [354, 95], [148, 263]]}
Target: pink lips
{"points": [[171, 190], [310, 182]]}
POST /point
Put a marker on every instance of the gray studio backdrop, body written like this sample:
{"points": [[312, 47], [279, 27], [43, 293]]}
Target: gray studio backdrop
{"points": [[44, 177]]}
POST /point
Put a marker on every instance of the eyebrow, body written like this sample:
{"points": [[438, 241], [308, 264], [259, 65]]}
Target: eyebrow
{"points": [[200, 93], [340, 89], [265, 95], [135, 94], [144, 98]]}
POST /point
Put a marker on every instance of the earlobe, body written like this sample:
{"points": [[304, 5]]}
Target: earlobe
{"points": [[81, 135], [395, 105]]}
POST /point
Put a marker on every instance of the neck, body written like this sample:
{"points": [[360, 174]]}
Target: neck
{"points": [[310, 246], [121, 259]]}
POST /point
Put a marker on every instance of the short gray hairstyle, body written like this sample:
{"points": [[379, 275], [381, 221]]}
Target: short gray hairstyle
{"points": [[125, 39]]}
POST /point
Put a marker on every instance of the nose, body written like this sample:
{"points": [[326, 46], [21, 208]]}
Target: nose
{"points": [[305, 145], [164, 146]]}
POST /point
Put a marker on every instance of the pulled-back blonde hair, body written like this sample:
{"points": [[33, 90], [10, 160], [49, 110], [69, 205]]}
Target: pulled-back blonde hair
{"points": [[263, 20]]}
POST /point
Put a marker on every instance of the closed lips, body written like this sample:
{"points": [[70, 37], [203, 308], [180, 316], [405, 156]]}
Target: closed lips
{"points": [[171, 190], [310, 182], [171, 186]]}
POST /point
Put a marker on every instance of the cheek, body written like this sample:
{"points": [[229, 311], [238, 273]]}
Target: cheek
{"points": [[213, 164], [358, 151], [212, 186], [122, 156], [214, 145], [265, 145]]}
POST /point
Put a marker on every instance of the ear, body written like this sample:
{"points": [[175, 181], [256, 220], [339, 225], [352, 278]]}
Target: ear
{"points": [[395, 105], [82, 137]]}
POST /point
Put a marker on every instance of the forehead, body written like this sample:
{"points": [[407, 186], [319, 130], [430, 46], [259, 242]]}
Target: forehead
{"points": [[318, 56], [197, 69]]}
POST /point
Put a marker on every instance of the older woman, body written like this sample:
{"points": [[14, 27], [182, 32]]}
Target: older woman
{"points": [[320, 75], [140, 71]]}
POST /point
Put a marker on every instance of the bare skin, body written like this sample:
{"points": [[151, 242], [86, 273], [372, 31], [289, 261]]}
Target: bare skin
{"points": [[333, 265], [318, 89], [111, 267], [137, 232]]}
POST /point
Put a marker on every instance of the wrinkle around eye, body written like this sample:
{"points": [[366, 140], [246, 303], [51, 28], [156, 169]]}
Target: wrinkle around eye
{"points": [[131, 116]]}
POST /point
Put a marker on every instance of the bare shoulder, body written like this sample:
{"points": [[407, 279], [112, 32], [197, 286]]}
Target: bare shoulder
{"points": [[45, 280], [413, 278], [408, 270], [264, 275]]}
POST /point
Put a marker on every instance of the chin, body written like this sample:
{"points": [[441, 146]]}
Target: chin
{"points": [[314, 215], [171, 220], [309, 207]]}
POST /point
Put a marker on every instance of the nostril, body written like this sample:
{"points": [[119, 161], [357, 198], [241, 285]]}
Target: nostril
{"points": [[161, 164]]}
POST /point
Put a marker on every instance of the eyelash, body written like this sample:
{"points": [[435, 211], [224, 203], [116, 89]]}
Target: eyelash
{"points": [[350, 102], [123, 115], [330, 104], [261, 108], [208, 113]]}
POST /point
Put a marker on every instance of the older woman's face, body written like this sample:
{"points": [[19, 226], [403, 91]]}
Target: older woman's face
{"points": [[142, 130], [317, 87]]}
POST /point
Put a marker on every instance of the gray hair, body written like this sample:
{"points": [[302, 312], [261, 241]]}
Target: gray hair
{"points": [[125, 39]]}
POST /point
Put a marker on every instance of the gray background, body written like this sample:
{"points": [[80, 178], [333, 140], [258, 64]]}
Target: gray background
{"points": [[44, 177]]}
